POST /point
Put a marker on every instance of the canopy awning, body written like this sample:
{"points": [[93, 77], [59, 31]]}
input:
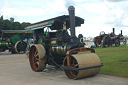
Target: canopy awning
{"points": [[55, 23], [15, 31]]}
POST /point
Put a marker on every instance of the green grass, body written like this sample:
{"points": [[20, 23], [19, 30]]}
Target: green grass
{"points": [[115, 60]]}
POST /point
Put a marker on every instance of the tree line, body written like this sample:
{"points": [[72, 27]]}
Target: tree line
{"points": [[10, 24]]}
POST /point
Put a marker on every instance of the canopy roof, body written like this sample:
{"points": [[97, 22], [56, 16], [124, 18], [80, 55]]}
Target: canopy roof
{"points": [[55, 23], [15, 31]]}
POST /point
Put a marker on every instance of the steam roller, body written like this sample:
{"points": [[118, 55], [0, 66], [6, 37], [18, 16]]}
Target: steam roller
{"points": [[61, 49], [13, 43], [76, 66]]}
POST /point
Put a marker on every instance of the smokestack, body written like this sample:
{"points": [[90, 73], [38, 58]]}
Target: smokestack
{"points": [[71, 10], [113, 30], [121, 32]]}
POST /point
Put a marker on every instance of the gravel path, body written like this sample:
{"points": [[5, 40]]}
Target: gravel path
{"points": [[15, 70]]}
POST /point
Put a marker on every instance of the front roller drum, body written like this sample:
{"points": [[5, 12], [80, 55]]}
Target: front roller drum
{"points": [[20, 47], [36, 57], [82, 61]]}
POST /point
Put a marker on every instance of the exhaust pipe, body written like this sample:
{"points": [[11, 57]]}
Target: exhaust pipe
{"points": [[113, 30], [121, 32], [71, 10]]}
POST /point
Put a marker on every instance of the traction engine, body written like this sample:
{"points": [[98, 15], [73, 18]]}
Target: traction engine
{"points": [[55, 43]]}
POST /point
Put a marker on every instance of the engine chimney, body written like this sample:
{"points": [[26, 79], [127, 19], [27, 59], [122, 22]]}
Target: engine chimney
{"points": [[71, 10], [113, 30], [121, 32]]}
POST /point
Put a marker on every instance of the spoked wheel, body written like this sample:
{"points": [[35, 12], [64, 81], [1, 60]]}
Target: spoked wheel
{"points": [[117, 42], [81, 61], [105, 41], [36, 57], [20, 47], [72, 73], [124, 41]]}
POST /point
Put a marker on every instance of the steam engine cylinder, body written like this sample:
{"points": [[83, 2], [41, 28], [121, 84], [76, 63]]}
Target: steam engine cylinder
{"points": [[59, 50]]}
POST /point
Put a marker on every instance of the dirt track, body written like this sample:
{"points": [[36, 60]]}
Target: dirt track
{"points": [[15, 70]]}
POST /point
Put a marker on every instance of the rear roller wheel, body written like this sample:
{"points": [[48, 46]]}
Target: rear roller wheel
{"points": [[36, 57], [105, 41], [117, 42], [80, 61], [124, 41], [20, 47]]}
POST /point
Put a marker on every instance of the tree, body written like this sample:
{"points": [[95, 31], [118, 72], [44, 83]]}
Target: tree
{"points": [[6, 25], [1, 18], [11, 25], [11, 19], [1, 22], [16, 26], [24, 24]]}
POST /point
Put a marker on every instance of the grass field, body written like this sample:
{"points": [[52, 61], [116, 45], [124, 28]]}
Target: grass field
{"points": [[115, 60]]}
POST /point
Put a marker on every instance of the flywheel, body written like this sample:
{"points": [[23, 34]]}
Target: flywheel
{"points": [[87, 65], [36, 57], [20, 47]]}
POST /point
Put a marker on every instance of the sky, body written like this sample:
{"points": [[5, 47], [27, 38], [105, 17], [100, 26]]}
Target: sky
{"points": [[99, 15]]}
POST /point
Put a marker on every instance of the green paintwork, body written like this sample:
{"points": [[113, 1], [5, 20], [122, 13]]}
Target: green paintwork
{"points": [[44, 41], [15, 39], [5, 44]]}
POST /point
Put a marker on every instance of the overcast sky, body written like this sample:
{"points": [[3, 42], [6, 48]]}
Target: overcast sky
{"points": [[99, 15]]}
